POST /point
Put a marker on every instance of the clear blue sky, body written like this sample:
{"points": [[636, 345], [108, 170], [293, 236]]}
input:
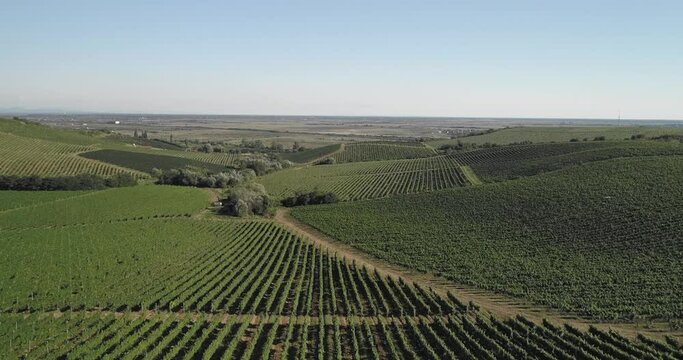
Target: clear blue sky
{"points": [[441, 58]]}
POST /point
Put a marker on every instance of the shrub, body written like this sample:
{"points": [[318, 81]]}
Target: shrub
{"points": [[326, 161], [199, 178], [310, 198], [245, 200]]}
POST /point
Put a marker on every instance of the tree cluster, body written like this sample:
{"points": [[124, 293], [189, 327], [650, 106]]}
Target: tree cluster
{"points": [[262, 166], [247, 199], [78, 182], [310, 198], [200, 178]]}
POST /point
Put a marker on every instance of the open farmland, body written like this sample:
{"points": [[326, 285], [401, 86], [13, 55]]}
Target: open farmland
{"points": [[601, 240], [540, 134], [381, 151], [372, 179], [150, 272]]}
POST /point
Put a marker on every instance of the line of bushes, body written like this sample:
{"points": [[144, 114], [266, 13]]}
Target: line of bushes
{"points": [[70, 183], [310, 198]]}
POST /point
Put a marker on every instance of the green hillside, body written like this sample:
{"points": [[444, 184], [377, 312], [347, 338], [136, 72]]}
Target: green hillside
{"points": [[602, 240]]}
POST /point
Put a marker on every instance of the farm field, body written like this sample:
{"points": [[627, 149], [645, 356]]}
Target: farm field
{"points": [[539, 134], [509, 162], [17, 199], [371, 179], [601, 240], [31, 156], [103, 206], [591, 229], [356, 152], [187, 288]]}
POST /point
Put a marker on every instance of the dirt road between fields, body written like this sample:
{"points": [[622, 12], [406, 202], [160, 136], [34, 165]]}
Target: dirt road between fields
{"points": [[495, 304]]}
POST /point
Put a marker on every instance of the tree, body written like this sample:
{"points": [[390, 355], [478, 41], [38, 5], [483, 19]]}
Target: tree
{"points": [[135, 133], [247, 199]]}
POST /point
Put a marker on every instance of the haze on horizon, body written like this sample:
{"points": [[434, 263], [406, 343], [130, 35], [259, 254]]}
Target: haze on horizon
{"points": [[571, 59]]}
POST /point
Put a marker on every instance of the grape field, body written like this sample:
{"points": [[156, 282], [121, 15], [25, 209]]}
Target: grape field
{"points": [[509, 162], [373, 179], [381, 151], [28, 156], [247, 289], [146, 162], [601, 240]]}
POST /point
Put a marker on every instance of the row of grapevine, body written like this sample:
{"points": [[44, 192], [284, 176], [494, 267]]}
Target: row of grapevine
{"points": [[371, 152], [194, 336], [24, 156], [369, 179]]}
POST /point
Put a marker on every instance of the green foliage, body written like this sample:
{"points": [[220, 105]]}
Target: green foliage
{"points": [[247, 199], [602, 240], [78, 182], [310, 198], [371, 179], [147, 162]]}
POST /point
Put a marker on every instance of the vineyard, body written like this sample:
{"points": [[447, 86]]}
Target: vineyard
{"points": [[146, 162], [29, 156], [591, 229], [509, 162], [381, 151], [310, 154], [373, 179], [184, 288], [602, 240], [100, 206]]}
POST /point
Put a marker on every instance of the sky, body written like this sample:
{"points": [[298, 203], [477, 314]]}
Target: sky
{"points": [[479, 58]]}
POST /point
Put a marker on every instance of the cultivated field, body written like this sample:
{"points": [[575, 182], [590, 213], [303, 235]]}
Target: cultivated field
{"points": [[580, 232], [371, 179], [381, 151], [601, 240]]}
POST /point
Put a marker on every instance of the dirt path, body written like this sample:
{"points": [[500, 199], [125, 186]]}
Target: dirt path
{"points": [[496, 304]]}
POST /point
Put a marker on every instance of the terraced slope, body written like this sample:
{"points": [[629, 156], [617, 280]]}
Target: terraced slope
{"points": [[365, 180], [381, 151], [603, 240]]}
